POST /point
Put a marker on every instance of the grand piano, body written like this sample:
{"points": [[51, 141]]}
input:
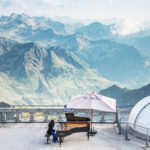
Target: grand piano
{"points": [[73, 125]]}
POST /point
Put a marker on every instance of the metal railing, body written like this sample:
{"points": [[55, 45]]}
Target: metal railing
{"points": [[126, 129], [46, 113]]}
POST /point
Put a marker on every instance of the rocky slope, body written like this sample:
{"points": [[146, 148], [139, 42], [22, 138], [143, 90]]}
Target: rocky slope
{"points": [[30, 74]]}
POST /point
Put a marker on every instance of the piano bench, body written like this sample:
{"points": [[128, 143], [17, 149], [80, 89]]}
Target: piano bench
{"points": [[47, 139]]}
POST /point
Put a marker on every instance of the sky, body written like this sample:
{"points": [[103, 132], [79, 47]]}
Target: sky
{"points": [[133, 12], [80, 9]]}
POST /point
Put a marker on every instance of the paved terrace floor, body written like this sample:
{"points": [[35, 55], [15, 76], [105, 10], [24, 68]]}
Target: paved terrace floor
{"points": [[26, 136]]}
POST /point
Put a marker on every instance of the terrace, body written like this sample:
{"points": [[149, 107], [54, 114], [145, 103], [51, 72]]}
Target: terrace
{"points": [[24, 127]]}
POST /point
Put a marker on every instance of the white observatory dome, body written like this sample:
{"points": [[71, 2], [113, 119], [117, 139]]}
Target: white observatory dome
{"points": [[140, 114]]}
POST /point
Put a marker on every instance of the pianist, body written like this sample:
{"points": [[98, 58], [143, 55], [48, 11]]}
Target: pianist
{"points": [[51, 131]]}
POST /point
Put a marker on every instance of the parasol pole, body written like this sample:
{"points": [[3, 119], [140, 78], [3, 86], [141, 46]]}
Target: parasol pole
{"points": [[92, 113], [91, 118]]}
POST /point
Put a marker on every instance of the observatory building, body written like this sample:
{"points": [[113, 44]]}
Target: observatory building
{"points": [[140, 114]]}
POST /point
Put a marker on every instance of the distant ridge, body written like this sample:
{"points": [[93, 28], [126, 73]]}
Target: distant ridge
{"points": [[3, 104], [126, 96], [97, 31], [114, 61]]}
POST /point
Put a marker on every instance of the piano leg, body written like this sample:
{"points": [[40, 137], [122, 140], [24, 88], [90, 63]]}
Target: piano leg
{"points": [[88, 135], [60, 141], [48, 139]]}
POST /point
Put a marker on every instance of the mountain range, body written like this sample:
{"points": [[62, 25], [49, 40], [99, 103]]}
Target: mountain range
{"points": [[30, 74], [114, 61], [44, 61]]}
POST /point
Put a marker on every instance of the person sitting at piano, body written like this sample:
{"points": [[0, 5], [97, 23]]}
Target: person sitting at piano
{"points": [[51, 130]]}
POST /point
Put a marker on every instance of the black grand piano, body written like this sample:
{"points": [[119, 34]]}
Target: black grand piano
{"points": [[74, 124]]}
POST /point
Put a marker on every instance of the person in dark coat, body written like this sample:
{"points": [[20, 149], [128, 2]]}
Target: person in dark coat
{"points": [[51, 130]]}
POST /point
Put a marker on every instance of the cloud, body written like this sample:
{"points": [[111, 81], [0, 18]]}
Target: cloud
{"points": [[35, 3], [5, 3], [56, 3], [128, 26], [37, 7], [112, 2], [80, 9]]}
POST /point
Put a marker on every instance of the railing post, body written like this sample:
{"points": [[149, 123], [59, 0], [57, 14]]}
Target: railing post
{"points": [[118, 120], [119, 126], [46, 117], [116, 116], [103, 117], [0, 116], [17, 117], [3, 117], [147, 139], [31, 116], [60, 118], [127, 132]]}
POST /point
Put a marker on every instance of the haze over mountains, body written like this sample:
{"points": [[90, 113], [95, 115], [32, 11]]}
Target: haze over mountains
{"points": [[47, 62], [117, 62]]}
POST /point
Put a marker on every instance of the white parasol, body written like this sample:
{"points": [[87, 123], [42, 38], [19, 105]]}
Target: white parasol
{"points": [[93, 102]]}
